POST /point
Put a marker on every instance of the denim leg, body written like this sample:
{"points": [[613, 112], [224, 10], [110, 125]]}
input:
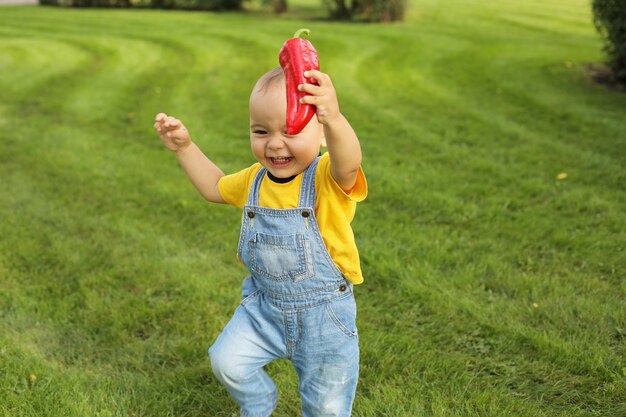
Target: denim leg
{"points": [[239, 355], [327, 360]]}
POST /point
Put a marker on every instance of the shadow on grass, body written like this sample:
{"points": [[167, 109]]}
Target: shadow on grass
{"points": [[603, 75]]}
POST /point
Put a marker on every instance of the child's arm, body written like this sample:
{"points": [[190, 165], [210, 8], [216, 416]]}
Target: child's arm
{"points": [[343, 144], [203, 173]]}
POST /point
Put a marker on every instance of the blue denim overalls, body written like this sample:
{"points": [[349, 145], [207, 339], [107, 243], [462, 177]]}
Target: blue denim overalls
{"points": [[296, 305]]}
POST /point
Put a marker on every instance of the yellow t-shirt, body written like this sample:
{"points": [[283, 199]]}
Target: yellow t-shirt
{"points": [[334, 208]]}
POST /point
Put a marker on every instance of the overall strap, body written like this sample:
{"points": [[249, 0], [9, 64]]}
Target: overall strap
{"points": [[253, 196], [307, 189]]}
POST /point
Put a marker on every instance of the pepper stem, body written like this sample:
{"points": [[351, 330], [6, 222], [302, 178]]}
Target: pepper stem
{"points": [[301, 32]]}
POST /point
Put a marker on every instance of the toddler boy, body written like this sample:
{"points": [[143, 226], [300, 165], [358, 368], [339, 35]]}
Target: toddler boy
{"points": [[298, 245]]}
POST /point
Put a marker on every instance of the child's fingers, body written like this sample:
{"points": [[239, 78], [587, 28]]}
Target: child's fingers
{"points": [[311, 89], [314, 100], [161, 122], [321, 78], [158, 126], [172, 123], [167, 130]]}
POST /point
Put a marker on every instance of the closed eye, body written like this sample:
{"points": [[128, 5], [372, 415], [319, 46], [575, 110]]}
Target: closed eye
{"points": [[259, 131]]}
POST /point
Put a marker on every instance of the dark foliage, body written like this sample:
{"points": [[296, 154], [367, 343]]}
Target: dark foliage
{"points": [[367, 10], [610, 20], [157, 4]]}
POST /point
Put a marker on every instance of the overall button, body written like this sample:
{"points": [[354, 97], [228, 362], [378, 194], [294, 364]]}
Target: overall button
{"points": [[251, 214], [305, 214], [343, 288]]}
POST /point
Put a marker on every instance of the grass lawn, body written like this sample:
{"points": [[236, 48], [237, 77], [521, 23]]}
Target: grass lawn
{"points": [[493, 241]]}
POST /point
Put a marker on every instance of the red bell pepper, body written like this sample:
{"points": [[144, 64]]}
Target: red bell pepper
{"points": [[296, 56]]}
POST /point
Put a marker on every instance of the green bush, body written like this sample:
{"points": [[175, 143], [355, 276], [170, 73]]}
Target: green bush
{"points": [[367, 10], [610, 19], [87, 3], [157, 4], [381, 10]]}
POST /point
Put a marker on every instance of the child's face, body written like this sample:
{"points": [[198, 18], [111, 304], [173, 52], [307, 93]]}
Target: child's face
{"points": [[281, 154]]}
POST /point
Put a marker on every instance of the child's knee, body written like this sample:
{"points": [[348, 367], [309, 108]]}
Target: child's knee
{"points": [[223, 366], [220, 363]]}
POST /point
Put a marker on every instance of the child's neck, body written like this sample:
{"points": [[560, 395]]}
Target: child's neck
{"points": [[280, 180], [283, 180]]}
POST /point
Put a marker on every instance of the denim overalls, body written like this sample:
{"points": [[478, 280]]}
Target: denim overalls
{"points": [[296, 305]]}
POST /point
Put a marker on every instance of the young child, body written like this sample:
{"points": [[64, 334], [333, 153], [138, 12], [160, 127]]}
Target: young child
{"points": [[298, 245]]}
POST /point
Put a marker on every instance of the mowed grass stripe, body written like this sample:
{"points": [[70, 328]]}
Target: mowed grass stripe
{"points": [[499, 99], [612, 314], [77, 165], [133, 319]]}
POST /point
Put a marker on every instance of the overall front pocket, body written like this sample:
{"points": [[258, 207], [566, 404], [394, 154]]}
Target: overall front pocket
{"points": [[281, 257], [342, 314]]}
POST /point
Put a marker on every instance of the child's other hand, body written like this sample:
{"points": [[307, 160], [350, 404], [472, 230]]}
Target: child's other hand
{"points": [[173, 133], [323, 96]]}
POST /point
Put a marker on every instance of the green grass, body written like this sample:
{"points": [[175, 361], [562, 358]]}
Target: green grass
{"points": [[492, 287]]}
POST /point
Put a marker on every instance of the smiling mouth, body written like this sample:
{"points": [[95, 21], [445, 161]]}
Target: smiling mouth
{"points": [[280, 161]]}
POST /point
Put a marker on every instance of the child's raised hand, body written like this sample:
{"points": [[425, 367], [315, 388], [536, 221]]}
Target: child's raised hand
{"points": [[323, 96], [173, 133]]}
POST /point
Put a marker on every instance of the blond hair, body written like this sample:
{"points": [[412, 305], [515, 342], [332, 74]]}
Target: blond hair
{"points": [[269, 79]]}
